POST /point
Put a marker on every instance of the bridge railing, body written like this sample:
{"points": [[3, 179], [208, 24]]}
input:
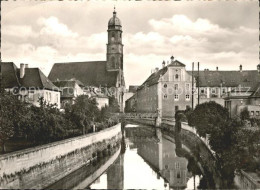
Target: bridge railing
{"points": [[140, 115], [168, 121]]}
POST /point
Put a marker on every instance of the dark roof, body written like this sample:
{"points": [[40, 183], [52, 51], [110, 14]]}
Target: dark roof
{"points": [[90, 73], [153, 78], [9, 77], [33, 77], [68, 83], [227, 78], [132, 88]]}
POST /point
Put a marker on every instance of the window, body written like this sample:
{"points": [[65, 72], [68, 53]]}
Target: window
{"points": [[187, 97], [165, 96], [30, 95], [223, 90], [177, 165], [120, 35], [165, 85], [213, 90], [176, 108], [178, 175], [176, 86], [252, 113], [202, 91], [57, 98], [49, 96], [176, 97], [187, 86], [176, 76], [113, 36], [257, 113], [187, 107]]}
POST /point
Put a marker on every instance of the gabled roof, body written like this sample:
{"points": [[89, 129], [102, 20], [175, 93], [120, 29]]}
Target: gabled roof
{"points": [[92, 73], [245, 78], [153, 78], [33, 78], [176, 63], [9, 75]]}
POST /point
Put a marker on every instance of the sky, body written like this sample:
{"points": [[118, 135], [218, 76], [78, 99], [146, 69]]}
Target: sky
{"points": [[214, 33]]}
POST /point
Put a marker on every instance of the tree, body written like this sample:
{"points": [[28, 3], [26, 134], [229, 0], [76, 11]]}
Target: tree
{"points": [[244, 115], [83, 113], [207, 116], [9, 104]]}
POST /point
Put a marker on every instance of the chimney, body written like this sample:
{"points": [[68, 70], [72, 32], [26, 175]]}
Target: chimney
{"points": [[240, 68], [172, 59], [156, 69], [163, 64], [22, 70], [217, 68], [26, 65], [258, 68]]}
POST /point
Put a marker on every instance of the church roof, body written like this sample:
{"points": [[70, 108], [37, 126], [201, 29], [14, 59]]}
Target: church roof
{"points": [[33, 77], [91, 73], [246, 78]]}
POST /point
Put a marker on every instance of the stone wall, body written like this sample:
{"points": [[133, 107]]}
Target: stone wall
{"points": [[41, 166]]}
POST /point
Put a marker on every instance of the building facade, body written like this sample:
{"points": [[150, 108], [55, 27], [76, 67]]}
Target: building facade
{"points": [[29, 84], [215, 85], [166, 90], [244, 99], [108, 75]]}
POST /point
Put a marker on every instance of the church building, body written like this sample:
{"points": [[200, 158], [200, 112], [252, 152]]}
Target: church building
{"points": [[108, 75]]}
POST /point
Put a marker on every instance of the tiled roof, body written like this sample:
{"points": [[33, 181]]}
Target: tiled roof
{"points": [[227, 78], [33, 77], [90, 73], [9, 77], [153, 78]]}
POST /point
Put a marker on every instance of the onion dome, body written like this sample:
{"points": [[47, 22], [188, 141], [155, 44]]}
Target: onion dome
{"points": [[114, 21]]}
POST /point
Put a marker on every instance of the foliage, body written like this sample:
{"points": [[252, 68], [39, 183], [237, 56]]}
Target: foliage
{"points": [[244, 115], [235, 144], [83, 113], [207, 116], [44, 124]]}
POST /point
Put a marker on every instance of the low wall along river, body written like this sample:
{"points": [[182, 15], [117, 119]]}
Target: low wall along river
{"points": [[41, 166]]}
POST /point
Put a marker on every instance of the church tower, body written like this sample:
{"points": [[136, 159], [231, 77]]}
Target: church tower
{"points": [[114, 45], [115, 56]]}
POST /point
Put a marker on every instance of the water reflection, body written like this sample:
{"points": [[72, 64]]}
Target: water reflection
{"points": [[148, 159]]}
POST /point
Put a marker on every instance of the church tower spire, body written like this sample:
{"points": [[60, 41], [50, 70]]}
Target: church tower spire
{"points": [[114, 45]]}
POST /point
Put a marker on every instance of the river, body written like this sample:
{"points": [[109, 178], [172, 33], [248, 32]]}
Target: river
{"points": [[147, 159]]}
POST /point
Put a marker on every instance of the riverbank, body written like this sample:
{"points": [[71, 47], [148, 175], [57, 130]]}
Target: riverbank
{"points": [[41, 166]]}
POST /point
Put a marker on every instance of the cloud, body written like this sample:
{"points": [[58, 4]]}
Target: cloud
{"points": [[52, 26], [192, 33]]}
